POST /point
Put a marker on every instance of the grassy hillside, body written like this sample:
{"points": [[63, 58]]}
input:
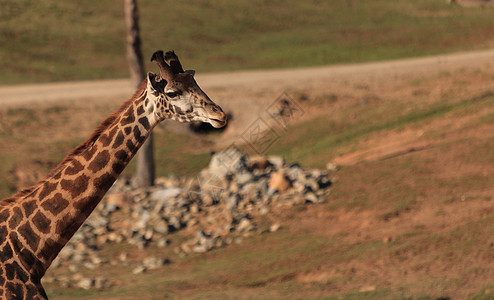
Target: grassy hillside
{"points": [[51, 40], [409, 215]]}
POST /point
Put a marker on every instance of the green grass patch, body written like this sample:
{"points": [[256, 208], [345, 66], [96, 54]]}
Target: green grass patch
{"points": [[285, 256], [357, 295], [59, 41], [485, 293]]}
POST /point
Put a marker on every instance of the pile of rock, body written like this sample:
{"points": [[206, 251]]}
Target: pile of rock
{"points": [[217, 208]]}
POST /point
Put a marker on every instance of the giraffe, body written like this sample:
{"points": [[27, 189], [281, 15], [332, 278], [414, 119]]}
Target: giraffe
{"points": [[37, 222]]}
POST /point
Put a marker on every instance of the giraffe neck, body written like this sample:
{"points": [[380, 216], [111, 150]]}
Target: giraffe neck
{"points": [[42, 221]]}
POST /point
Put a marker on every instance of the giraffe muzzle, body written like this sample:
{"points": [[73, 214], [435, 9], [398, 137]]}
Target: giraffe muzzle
{"points": [[218, 121]]}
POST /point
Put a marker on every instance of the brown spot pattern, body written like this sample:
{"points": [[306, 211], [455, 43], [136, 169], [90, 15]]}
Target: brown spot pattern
{"points": [[50, 250], [41, 222], [129, 117], [75, 168], [131, 146], [15, 219], [104, 182], [55, 204], [28, 234], [4, 214], [29, 207], [105, 139], [99, 161], [118, 140], [90, 152], [6, 251], [27, 259], [77, 186], [140, 110], [138, 135], [118, 167], [68, 225], [48, 187], [145, 123], [122, 155], [86, 203]]}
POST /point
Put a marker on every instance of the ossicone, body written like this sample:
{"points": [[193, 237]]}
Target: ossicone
{"points": [[165, 70]]}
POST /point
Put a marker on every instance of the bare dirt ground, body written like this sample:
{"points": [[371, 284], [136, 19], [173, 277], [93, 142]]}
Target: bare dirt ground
{"points": [[421, 252]]}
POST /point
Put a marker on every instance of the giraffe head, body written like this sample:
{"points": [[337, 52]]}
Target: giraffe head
{"points": [[176, 95]]}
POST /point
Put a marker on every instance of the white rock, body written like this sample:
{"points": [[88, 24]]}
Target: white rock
{"points": [[123, 256], [243, 177], [245, 225], [263, 210], [101, 283], [85, 283], [279, 182], [153, 262], [194, 208], [274, 227], [138, 270], [368, 288], [162, 243], [166, 193], [226, 162], [161, 226], [200, 249], [276, 161], [311, 198], [332, 167], [258, 162]]}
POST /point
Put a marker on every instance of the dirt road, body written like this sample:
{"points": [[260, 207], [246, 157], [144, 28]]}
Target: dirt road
{"points": [[253, 81], [247, 94]]}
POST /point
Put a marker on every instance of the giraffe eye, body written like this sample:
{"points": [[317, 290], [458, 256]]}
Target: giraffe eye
{"points": [[171, 94]]}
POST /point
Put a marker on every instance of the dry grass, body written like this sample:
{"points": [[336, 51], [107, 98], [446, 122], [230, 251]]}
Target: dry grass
{"points": [[402, 220]]}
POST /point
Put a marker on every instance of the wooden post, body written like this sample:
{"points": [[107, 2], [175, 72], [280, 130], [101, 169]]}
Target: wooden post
{"points": [[145, 157]]}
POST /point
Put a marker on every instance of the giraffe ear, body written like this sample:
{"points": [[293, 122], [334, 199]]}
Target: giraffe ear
{"points": [[152, 85]]}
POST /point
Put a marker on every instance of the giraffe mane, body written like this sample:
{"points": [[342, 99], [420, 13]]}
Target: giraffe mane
{"points": [[82, 147]]}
